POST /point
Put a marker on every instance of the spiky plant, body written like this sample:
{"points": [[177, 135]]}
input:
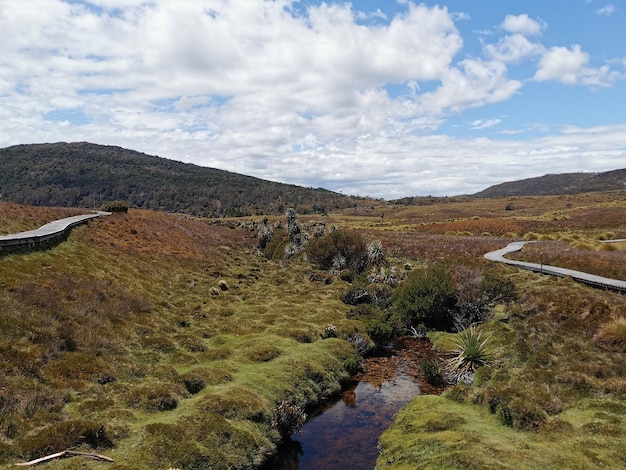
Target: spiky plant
{"points": [[383, 275], [375, 253], [292, 249], [264, 236], [339, 262], [470, 353]]}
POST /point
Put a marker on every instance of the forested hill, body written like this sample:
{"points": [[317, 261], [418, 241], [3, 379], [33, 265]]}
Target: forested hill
{"points": [[565, 183], [85, 175]]}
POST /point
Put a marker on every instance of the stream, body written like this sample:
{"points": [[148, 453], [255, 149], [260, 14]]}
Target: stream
{"points": [[344, 432]]}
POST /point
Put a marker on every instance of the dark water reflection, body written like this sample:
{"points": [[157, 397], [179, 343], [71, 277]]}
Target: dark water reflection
{"points": [[345, 433]]}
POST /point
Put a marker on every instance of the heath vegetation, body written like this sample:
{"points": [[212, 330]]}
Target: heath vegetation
{"points": [[164, 340]]}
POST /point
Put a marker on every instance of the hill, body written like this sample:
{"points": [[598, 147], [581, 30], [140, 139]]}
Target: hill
{"points": [[554, 184], [84, 175]]}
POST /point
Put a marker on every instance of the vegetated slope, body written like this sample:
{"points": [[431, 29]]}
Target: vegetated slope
{"points": [[555, 393], [161, 341], [553, 184], [84, 174]]}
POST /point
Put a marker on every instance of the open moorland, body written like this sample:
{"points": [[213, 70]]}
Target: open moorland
{"points": [[166, 341]]}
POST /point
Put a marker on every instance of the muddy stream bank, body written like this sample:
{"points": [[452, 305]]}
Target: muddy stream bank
{"points": [[343, 433]]}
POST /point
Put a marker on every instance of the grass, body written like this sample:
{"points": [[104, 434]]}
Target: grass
{"points": [[118, 327], [555, 397], [436, 432], [118, 339]]}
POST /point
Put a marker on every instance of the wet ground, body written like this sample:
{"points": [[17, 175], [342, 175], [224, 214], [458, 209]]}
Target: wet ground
{"points": [[344, 433]]}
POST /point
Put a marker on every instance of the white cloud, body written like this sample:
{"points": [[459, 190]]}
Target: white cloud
{"points": [[484, 124], [607, 10], [522, 24], [473, 83], [280, 90], [514, 48], [569, 66]]}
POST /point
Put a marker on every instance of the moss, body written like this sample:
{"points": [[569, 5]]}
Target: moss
{"points": [[235, 403], [432, 432]]}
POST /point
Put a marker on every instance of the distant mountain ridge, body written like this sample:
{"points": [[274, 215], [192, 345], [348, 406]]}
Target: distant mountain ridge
{"points": [[556, 184], [83, 174]]}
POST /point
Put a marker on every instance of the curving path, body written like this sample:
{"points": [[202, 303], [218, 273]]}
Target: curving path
{"points": [[50, 232], [591, 279]]}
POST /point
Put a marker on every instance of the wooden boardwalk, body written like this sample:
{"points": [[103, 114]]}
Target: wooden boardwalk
{"points": [[591, 279], [49, 233]]}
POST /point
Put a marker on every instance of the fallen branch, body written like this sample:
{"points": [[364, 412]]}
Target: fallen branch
{"points": [[64, 453]]}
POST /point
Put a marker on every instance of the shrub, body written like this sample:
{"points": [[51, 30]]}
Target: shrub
{"points": [[264, 236], [382, 275], [288, 418], [347, 243], [498, 288], [427, 296], [433, 371], [330, 331], [380, 330], [362, 344], [356, 295], [114, 206]]}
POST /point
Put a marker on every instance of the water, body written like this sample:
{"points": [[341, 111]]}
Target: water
{"points": [[344, 434]]}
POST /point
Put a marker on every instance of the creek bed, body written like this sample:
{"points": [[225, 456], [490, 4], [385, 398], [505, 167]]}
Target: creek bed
{"points": [[344, 432]]}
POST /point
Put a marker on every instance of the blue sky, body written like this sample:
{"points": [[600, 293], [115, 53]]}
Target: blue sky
{"points": [[379, 98]]}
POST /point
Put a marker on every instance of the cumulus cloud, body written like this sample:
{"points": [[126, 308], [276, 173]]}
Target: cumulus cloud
{"points": [[569, 66], [523, 24], [283, 90], [513, 49]]}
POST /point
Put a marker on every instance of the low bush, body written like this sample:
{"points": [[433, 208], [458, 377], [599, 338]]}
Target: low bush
{"points": [[288, 418], [427, 296], [433, 370], [347, 243], [114, 206]]}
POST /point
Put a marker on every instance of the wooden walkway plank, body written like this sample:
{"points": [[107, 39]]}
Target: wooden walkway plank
{"points": [[591, 279], [48, 232]]}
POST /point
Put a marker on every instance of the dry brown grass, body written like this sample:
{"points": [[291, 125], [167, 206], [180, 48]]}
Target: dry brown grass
{"points": [[613, 332], [16, 218], [91, 327], [590, 257]]}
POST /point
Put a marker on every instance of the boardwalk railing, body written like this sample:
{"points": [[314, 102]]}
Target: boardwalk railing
{"points": [[46, 234], [586, 278]]}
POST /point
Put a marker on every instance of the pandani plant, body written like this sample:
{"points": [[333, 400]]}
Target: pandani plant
{"points": [[471, 352]]}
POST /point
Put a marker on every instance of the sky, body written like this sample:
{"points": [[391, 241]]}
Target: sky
{"points": [[373, 98]]}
